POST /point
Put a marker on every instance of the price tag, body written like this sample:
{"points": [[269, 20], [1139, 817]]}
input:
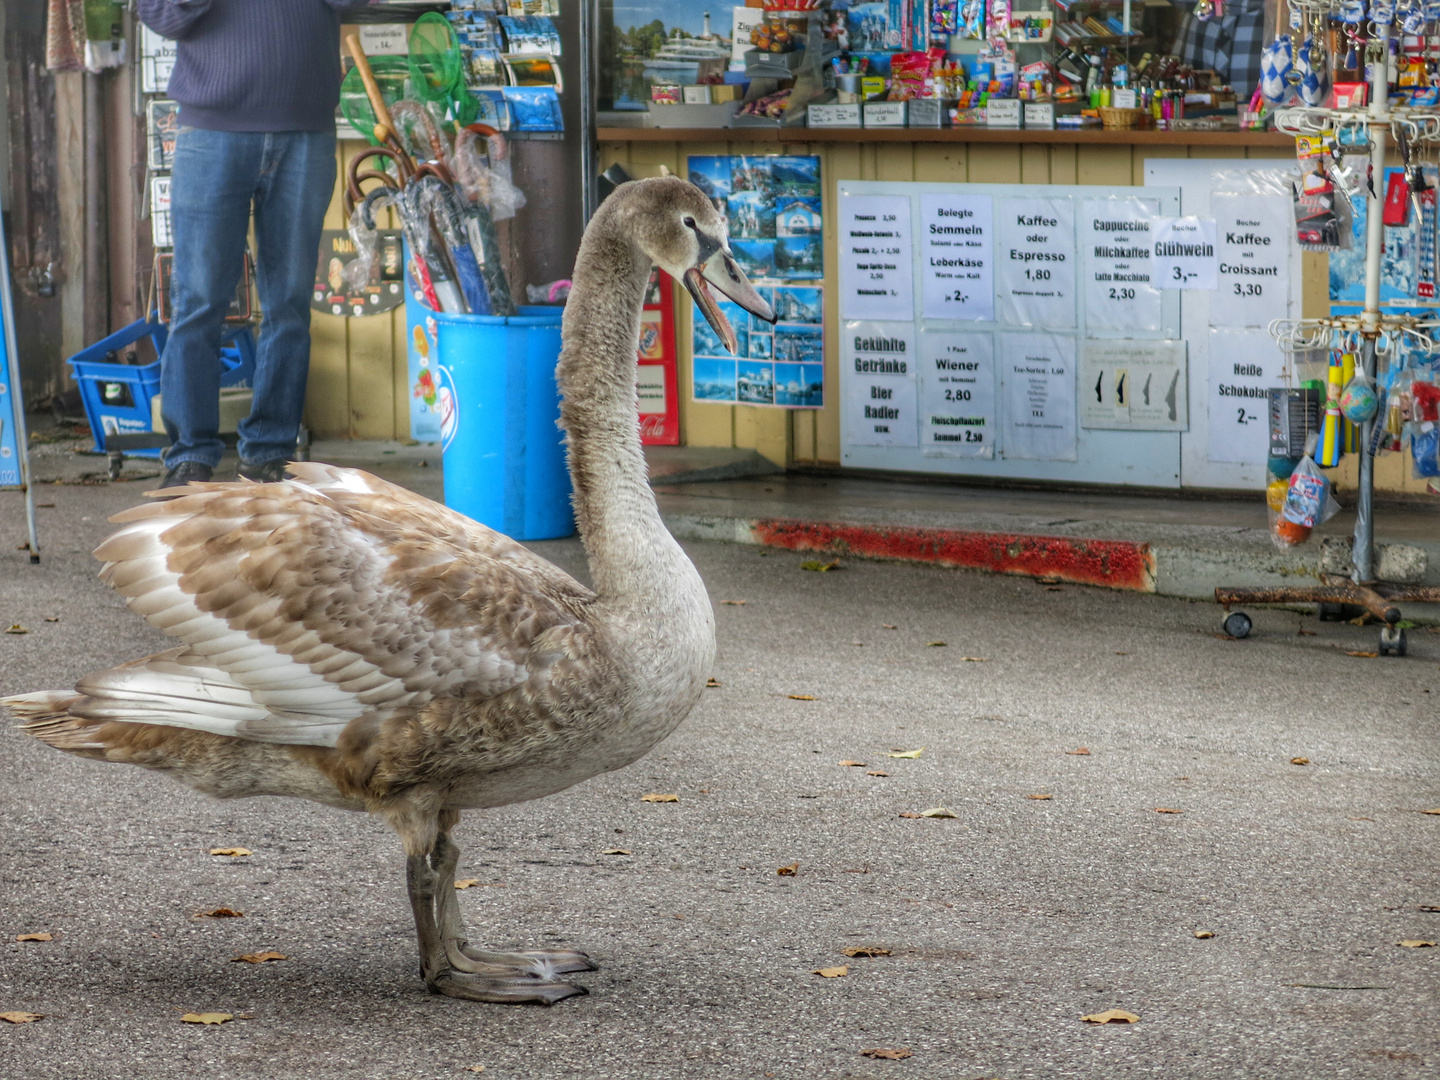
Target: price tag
{"points": [[821, 116], [957, 394], [1244, 364], [1123, 99], [884, 114], [1035, 262], [1038, 375], [1254, 234], [1183, 253], [876, 276], [1002, 112], [1115, 236], [956, 252], [878, 384], [1039, 114]]}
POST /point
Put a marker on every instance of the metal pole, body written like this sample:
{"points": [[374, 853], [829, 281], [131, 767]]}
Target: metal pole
{"points": [[1363, 554], [589, 189], [17, 394]]}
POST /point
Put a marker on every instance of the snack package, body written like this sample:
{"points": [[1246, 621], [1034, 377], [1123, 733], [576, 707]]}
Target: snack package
{"points": [[1425, 435], [1308, 502]]}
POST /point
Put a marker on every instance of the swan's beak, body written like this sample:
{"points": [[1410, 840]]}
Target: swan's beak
{"points": [[725, 274]]}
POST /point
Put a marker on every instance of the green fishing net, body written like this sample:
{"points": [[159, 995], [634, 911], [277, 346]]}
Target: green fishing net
{"points": [[390, 73], [437, 70]]}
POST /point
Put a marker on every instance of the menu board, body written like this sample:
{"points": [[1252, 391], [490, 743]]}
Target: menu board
{"points": [[1183, 253], [1253, 238], [1134, 386], [957, 393], [879, 384], [876, 279], [1115, 236], [956, 255], [1038, 374], [1035, 264], [1243, 365]]}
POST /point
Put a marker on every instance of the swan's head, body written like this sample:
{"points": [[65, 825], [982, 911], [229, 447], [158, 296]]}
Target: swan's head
{"points": [[685, 236]]}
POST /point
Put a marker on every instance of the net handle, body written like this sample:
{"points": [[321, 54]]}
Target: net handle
{"points": [[372, 88]]}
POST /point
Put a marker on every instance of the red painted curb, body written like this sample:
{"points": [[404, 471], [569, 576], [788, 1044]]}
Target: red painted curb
{"points": [[1113, 564]]}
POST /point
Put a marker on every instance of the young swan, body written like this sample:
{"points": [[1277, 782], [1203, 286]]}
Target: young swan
{"points": [[343, 640]]}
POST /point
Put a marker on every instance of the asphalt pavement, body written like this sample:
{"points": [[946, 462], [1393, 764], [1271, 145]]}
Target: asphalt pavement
{"points": [[1058, 890]]}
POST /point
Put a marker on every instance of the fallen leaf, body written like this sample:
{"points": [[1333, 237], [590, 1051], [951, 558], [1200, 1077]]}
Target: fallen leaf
{"points": [[1359, 819], [1039, 797], [818, 566], [659, 798], [939, 811], [617, 851], [20, 1017], [1118, 653], [1203, 934], [467, 883], [865, 950], [1078, 752], [935, 644], [259, 957], [905, 753], [801, 697], [734, 603], [899, 1053], [877, 772], [1359, 620], [1299, 761], [832, 972], [1430, 907], [887, 626], [34, 937], [712, 683], [52, 618], [206, 1018], [1361, 653], [976, 659], [1111, 1016], [788, 871], [907, 813], [847, 763], [219, 913], [1415, 943], [238, 852], [1436, 811], [1167, 810], [475, 1068], [16, 628]]}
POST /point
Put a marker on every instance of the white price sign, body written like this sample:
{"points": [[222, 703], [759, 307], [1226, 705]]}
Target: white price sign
{"points": [[1035, 262], [1254, 234], [1115, 236], [957, 394], [1134, 386], [878, 383], [956, 252], [1183, 253], [1244, 364], [1038, 377], [876, 279]]}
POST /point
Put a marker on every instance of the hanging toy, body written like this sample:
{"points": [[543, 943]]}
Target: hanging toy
{"points": [[1382, 12], [1332, 425], [1314, 85], [1276, 64], [1358, 401]]}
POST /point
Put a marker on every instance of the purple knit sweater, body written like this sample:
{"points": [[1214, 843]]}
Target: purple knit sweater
{"points": [[253, 65]]}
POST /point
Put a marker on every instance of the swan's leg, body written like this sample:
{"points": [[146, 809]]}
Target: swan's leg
{"points": [[440, 975], [539, 963]]}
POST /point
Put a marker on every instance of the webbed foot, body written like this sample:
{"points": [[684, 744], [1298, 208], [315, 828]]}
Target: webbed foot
{"points": [[502, 990]]}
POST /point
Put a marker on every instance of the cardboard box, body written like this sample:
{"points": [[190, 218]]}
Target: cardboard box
{"points": [[664, 94]]}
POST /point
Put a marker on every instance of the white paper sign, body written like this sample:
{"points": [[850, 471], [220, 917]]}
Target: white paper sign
{"points": [[162, 234], [878, 384], [1115, 237], [1035, 262], [157, 60], [1183, 253], [743, 20], [956, 250], [876, 279], [1243, 365], [1254, 234], [385, 39], [1037, 374], [1134, 386], [957, 394]]}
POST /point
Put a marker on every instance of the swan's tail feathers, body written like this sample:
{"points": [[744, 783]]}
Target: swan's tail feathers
{"points": [[47, 716]]}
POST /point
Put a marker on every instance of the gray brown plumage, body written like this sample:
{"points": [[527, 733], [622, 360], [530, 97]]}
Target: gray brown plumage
{"points": [[343, 640]]}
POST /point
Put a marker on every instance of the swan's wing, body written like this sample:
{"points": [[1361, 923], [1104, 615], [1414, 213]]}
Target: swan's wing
{"points": [[303, 608]]}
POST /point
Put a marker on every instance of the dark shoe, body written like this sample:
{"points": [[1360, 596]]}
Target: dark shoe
{"points": [[262, 472], [187, 472]]}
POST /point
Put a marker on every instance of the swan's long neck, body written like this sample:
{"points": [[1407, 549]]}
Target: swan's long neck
{"points": [[633, 558]]}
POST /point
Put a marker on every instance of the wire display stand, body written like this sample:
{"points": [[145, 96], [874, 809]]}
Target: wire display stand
{"points": [[1378, 331]]}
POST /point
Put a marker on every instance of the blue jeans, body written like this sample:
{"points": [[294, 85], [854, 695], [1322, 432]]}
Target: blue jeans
{"points": [[288, 177]]}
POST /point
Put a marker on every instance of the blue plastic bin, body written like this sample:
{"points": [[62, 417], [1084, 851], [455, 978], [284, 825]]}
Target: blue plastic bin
{"points": [[504, 456], [117, 396]]}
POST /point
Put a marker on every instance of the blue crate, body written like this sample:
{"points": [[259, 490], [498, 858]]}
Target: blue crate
{"points": [[117, 396]]}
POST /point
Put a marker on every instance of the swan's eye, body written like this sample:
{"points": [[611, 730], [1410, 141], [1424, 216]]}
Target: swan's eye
{"points": [[690, 222]]}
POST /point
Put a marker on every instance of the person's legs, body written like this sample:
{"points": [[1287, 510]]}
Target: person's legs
{"points": [[295, 188], [211, 185]]}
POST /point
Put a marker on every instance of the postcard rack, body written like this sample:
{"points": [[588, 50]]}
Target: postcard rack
{"points": [[1378, 331]]}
